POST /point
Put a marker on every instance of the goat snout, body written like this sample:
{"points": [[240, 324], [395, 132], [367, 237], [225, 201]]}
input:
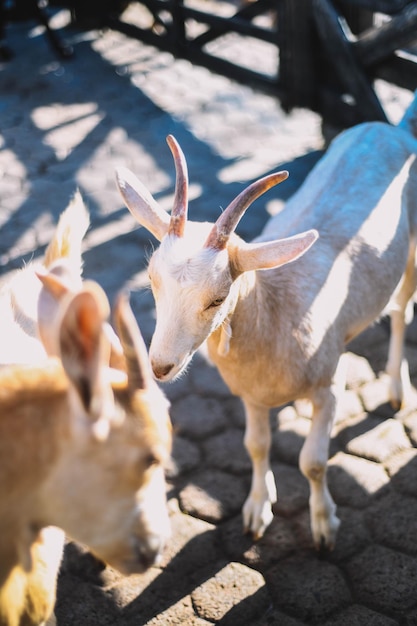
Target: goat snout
{"points": [[153, 549], [161, 370], [148, 552]]}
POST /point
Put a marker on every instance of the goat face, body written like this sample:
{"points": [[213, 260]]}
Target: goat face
{"points": [[194, 270], [110, 493], [106, 488], [193, 289]]}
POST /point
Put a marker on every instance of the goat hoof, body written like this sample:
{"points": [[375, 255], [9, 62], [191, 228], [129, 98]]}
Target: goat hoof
{"points": [[257, 518], [396, 405], [323, 549], [324, 533], [396, 396], [255, 535]]}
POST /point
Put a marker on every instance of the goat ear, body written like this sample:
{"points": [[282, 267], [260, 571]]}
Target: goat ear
{"points": [[141, 204], [269, 254], [84, 351]]}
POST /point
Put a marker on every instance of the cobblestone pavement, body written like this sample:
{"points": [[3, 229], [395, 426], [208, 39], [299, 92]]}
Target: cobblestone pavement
{"points": [[64, 125]]}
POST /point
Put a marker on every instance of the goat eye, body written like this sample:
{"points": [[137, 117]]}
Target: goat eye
{"points": [[216, 302], [150, 460]]}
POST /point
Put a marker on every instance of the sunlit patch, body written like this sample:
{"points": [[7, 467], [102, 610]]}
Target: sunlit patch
{"points": [[66, 126]]}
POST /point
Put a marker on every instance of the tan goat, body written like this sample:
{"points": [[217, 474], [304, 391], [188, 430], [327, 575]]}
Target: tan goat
{"points": [[30, 558], [80, 453], [275, 329], [19, 291], [20, 343]]}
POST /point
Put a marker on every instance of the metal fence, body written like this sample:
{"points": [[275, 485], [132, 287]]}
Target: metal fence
{"points": [[328, 53], [321, 54]]}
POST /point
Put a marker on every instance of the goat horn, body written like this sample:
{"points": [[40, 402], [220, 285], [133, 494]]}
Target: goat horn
{"points": [[230, 217], [180, 208], [134, 349]]}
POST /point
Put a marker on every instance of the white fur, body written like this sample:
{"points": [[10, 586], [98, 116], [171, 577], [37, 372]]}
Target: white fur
{"points": [[19, 291]]}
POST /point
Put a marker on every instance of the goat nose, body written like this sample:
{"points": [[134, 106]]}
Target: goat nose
{"points": [[160, 371], [148, 550], [150, 555]]}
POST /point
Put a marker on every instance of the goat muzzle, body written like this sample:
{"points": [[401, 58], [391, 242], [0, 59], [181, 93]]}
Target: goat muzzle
{"points": [[161, 371]]}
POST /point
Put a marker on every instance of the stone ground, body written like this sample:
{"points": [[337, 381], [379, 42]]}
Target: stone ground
{"points": [[68, 124]]}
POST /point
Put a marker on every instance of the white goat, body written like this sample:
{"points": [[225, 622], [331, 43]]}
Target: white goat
{"points": [[79, 453], [277, 335], [27, 310], [19, 291]]}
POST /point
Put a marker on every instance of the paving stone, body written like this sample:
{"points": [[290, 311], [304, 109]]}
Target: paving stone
{"points": [[178, 614], [193, 540], [372, 344], [410, 424], [190, 558], [391, 519], [349, 404], [384, 580], [83, 604], [185, 456], [126, 590], [411, 618], [402, 469], [410, 353], [358, 370], [198, 417], [162, 596], [375, 397], [80, 562], [213, 496], [353, 534], [273, 617], [235, 543], [301, 525], [288, 440], [292, 487], [278, 542], [381, 442], [226, 451], [176, 391], [411, 332], [357, 615], [235, 595], [353, 480], [206, 380], [354, 427], [308, 588]]}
